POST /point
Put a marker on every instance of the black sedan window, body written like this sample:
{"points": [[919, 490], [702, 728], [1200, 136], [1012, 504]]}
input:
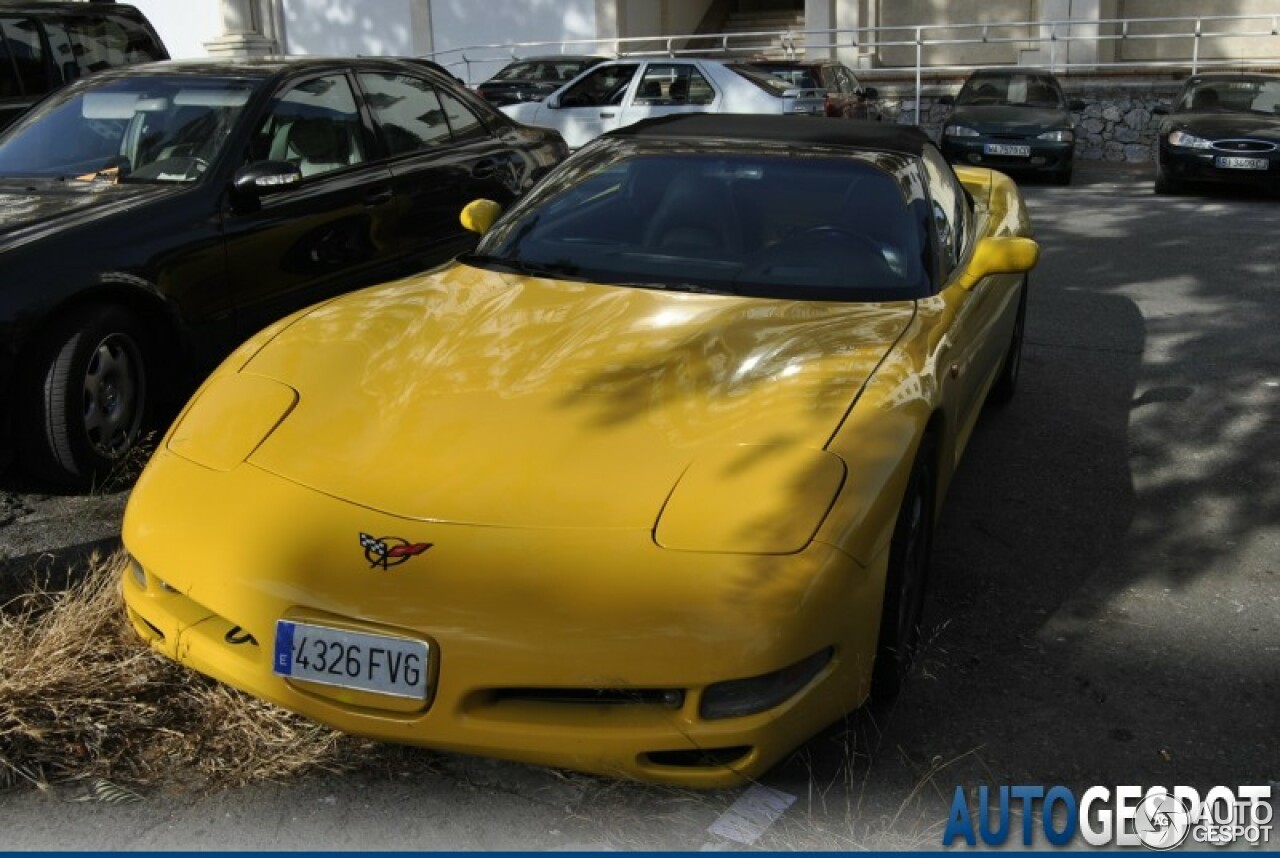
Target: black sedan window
{"points": [[316, 126], [24, 65], [155, 128], [809, 228], [552, 70], [408, 111], [1243, 95]]}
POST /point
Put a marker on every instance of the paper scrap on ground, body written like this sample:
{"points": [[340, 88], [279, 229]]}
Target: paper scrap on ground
{"points": [[752, 814]]}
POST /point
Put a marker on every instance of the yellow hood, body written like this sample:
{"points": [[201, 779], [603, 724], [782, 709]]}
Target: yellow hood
{"points": [[475, 397]]}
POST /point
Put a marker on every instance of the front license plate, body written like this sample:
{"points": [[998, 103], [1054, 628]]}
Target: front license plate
{"points": [[1006, 149], [329, 656], [1227, 162]]}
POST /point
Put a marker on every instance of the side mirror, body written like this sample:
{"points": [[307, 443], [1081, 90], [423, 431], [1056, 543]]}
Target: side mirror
{"points": [[1076, 105], [266, 177], [870, 93], [947, 99], [479, 215], [1160, 110], [553, 102], [1009, 255]]}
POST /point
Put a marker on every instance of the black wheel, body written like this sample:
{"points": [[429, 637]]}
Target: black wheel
{"points": [[910, 554], [1062, 177], [1006, 383], [90, 397]]}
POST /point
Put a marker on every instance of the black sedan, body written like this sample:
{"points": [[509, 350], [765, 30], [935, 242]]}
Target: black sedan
{"points": [[1224, 127], [533, 78], [1013, 120], [152, 217]]}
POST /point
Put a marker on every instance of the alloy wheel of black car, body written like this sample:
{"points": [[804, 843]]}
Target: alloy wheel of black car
{"points": [[910, 555], [91, 387], [1006, 383]]}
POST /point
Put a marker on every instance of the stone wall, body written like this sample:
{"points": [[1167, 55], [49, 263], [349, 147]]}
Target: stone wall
{"points": [[1117, 123]]}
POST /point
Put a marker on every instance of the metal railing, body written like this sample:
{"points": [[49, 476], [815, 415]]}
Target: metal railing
{"points": [[922, 39]]}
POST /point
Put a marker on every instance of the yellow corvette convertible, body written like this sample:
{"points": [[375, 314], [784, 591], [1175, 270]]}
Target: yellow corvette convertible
{"points": [[644, 486]]}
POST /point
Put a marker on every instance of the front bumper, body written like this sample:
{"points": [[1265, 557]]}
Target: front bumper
{"points": [[1044, 157], [1185, 164], [526, 626]]}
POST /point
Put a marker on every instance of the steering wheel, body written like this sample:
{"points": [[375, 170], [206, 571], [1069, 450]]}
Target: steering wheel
{"points": [[823, 256]]}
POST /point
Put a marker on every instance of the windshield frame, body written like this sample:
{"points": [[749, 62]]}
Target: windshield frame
{"points": [[499, 248], [236, 94]]}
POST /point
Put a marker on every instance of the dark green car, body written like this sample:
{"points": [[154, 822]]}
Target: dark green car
{"points": [[1017, 121]]}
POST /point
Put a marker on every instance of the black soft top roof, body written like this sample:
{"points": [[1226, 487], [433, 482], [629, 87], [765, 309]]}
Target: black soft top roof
{"points": [[798, 130]]}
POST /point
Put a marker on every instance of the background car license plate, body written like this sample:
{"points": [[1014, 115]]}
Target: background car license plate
{"points": [[1234, 163], [378, 663], [1006, 149]]}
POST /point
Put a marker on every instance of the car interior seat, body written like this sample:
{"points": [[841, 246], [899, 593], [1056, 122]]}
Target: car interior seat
{"points": [[315, 145], [679, 90], [987, 93], [652, 89], [696, 216]]}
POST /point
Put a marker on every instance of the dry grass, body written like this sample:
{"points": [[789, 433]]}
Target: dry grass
{"points": [[83, 699]]}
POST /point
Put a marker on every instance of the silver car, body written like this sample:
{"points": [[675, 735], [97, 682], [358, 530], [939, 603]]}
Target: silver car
{"points": [[620, 92]]}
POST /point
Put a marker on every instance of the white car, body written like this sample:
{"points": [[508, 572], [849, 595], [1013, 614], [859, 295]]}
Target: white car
{"points": [[620, 92]]}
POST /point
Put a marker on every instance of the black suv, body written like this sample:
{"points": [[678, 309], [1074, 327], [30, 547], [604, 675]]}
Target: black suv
{"points": [[44, 45]]}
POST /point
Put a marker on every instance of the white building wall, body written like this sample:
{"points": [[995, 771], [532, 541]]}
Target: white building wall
{"points": [[464, 23], [184, 25], [355, 27]]}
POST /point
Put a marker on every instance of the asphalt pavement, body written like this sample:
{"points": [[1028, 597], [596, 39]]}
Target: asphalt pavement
{"points": [[1105, 604]]}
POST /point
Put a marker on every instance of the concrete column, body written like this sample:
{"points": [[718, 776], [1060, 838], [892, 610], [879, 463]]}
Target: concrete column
{"points": [[609, 23], [1083, 16], [854, 15], [819, 15], [423, 35], [247, 30]]}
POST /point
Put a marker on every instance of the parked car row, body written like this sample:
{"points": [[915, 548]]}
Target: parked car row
{"points": [[1224, 127], [625, 460], [618, 93]]}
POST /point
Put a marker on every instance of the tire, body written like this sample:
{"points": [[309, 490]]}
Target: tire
{"points": [[910, 555], [1165, 183], [90, 397], [1062, 177], [1006, 383]]}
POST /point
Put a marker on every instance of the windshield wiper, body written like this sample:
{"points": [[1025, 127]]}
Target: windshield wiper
{"points": [[678, 287], [520, 266]]}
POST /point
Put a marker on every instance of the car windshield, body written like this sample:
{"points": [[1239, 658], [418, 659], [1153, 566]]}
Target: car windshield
{"points": [[1244, 95], [765, 80], [552, 70], [805, 226], [166, 128], [797, 76], [1025, 90]]}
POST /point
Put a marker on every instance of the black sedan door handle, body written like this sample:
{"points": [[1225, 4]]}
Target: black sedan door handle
{"points": [[378, 197]]}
